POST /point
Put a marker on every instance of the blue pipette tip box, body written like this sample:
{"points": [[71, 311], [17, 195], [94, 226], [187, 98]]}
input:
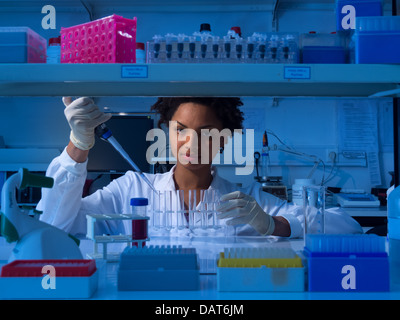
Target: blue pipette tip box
{"points": [[347, 263], [158, 268]]}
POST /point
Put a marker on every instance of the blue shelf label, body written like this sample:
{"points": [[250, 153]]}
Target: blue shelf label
{"points": [[134, 71], [297, 73]]}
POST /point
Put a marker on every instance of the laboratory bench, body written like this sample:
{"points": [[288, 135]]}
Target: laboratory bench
{"points": [[207, 249]]}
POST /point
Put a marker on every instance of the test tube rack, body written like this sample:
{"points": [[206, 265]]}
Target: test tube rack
{"points": [[25, 279], [107, 239], [260, 269], [347, 263], [158, 268]]}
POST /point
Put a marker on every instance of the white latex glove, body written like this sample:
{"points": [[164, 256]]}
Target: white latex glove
{"points": [[244, 209], [83, 117]]}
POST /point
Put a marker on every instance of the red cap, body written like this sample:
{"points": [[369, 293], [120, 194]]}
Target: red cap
{"points": [[140, 45], [313, 32], [237, 30], [55, 40]]}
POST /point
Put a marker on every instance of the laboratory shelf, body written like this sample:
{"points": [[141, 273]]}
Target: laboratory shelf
{"points": [[316, 80]]}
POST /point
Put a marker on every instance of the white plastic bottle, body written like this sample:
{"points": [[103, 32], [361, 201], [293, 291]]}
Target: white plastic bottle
{"points": [[140, 53], [54, 50], [393, 210]]}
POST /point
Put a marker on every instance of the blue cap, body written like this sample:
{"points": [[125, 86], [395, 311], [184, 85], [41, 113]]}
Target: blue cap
{"points": [[139, 202]]}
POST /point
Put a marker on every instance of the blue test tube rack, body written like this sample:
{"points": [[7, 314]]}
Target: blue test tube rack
{"points": [[158, 268], [347, 263]]}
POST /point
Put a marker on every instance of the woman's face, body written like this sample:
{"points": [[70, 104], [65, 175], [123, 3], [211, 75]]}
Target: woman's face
{"points": [[190, 137]]}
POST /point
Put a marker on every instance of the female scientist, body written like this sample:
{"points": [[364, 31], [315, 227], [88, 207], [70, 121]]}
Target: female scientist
{"points": [[250, 211]]}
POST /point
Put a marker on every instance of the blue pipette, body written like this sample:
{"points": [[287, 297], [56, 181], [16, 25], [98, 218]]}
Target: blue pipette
{"points": [[104, 133]]}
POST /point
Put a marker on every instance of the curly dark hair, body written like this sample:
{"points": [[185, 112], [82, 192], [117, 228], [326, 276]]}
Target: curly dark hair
{"points": [[226, 109]]}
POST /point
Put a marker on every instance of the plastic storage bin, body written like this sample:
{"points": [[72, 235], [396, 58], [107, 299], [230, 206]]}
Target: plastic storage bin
{"points": [[260, 269], [377, 39], [108, 40], [363, 8], [23, 279], [323, 48], [157, 268], [347, 263], [21, 45]]}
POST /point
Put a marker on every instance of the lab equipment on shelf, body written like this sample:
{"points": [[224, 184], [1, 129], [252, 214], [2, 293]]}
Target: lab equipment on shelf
{"points": [[323, 48], [21, 45], [158, 268], [66, 279], [230, 48], [377, 39], [111, 39], [260, 269], [348, 263]]}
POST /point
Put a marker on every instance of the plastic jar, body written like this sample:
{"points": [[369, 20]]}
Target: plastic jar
{"points": [[297, 190], [140, 53], [54, 50]]}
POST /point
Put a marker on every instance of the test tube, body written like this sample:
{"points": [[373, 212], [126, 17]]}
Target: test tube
{"points": [[192, 49], [181, 222], [273, 48], [215, 49], [239, 49], [192, 207], [261, 51], [180, 46], [168, 209], [250, 49], [156, 210], [227, 49]]}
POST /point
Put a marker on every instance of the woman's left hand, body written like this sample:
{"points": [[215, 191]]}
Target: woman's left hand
{"points": [[241, 208]]}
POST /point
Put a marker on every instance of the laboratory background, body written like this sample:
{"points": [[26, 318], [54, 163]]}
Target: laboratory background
{"points": [[320, 90]]}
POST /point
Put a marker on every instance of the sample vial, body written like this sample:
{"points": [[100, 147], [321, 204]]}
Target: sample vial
{"points": [[54, 50], [139, 221], [140, 53]]}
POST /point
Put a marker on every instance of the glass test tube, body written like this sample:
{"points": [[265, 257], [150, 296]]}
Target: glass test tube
{"points": [[314, 209]]}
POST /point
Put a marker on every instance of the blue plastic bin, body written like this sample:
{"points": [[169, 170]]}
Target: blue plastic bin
{"points": [[363, 8], [331, 267], [21, 45], [377, 40], [156, 268]]}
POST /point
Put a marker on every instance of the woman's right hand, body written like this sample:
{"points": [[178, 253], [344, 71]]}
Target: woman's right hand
{"points": [[83, 117]]}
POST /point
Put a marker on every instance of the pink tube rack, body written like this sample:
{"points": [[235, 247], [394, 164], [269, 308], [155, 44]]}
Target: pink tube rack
{"points": [[108, 40]]}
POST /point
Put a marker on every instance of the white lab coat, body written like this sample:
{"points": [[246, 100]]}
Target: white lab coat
{"points": [[64, 207]]}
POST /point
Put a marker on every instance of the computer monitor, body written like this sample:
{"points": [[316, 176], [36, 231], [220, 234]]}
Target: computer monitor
{"points": [[130, 132]]}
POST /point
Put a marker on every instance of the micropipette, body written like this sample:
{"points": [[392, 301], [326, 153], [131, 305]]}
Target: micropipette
{"points": [[104, 133]]}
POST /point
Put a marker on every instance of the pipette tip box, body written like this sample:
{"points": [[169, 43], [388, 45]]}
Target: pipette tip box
{"points": [[347, 263], [28, 279], [158, 268], [260, 269], [21, 45]]}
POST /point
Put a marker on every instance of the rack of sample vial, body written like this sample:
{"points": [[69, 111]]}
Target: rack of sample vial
{"points": [[185, 212], [117, 239], [199, 48]]}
